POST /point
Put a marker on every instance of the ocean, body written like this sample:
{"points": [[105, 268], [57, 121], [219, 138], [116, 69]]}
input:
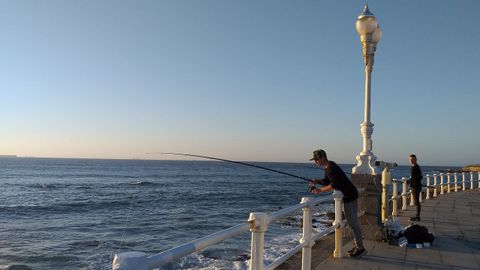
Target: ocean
{"points": [[78, 213]]}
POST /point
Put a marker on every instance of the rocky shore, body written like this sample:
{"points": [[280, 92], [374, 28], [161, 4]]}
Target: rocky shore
{"points": [[472, 168], [322, 250]]}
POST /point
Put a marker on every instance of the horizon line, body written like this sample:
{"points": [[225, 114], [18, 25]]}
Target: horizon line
{"points": [[202, 160]]}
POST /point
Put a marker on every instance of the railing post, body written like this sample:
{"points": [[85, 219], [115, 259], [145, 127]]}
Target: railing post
{"points": [[258, 226], [394, 199], [441, 183], [404, 193], [463, 181], [386, 180], [456, 181], [338, 197], [448, 182], [130, 261], [412, 202], [471, 180], [427, 197], [306, 239], [435, 185]]}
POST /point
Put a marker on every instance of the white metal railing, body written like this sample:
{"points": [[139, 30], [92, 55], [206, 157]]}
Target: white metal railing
{"points": [[258, 224], [442, 186]]}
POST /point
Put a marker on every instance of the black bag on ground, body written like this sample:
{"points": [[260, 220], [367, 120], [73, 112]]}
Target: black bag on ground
{"points": [[418, 234]]}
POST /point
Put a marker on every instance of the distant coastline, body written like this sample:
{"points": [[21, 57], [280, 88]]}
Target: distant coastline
{"points": [[472, 168], [8, 156]]}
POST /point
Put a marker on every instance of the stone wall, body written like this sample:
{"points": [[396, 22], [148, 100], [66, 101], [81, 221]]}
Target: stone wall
{"points": [[369, 203]]}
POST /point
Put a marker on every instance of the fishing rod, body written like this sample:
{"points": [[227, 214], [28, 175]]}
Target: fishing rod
{"points": [[236, 162]]}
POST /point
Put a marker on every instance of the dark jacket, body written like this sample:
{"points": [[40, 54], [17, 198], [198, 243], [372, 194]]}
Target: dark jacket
{"points": [[416, 177]]}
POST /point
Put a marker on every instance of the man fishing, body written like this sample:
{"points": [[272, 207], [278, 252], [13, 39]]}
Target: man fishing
{"points": [[336, 179]]}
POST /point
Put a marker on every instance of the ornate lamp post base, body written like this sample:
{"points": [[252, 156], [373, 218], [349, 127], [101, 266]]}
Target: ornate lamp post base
{"points": [[365, 164], [366, 159]]}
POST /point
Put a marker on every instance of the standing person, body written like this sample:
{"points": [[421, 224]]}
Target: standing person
{"points": [[415, 185], [336, 179]]}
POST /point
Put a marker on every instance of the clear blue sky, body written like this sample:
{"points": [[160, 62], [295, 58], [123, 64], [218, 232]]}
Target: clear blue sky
{"points": [[246, 80]]}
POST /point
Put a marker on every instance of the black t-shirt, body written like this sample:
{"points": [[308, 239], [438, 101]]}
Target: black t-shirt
{"points": [[335, 177]]}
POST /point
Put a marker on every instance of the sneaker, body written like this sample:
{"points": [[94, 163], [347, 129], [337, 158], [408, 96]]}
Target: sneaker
{"points": [[351, 251], [358, 253]]}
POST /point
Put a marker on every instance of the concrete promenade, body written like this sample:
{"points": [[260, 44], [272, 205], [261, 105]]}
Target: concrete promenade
{"points": [[453, 218]]}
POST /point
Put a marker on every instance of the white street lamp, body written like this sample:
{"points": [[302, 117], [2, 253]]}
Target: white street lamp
{"points": [[370, 33]]}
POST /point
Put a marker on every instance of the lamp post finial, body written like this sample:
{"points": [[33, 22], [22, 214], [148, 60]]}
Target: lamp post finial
{"points": [[366, 12]]}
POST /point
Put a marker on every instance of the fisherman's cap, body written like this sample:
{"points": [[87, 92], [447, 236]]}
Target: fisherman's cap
{"points": [[318, 154]]}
